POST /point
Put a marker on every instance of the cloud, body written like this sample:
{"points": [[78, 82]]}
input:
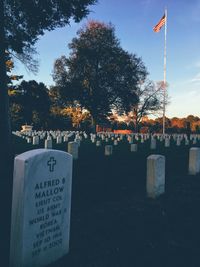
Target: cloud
{"points": [[187, 89], [185, 94], [196, 79], [181, 84], [184, 103]]}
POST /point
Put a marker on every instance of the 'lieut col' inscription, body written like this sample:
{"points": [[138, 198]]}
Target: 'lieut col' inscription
{"points": [[42, 195]]}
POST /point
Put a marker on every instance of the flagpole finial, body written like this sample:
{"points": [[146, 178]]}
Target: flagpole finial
{"points": [[166, 11]]}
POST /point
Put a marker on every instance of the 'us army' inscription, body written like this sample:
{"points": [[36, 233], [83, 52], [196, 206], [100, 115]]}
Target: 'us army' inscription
{"points": [[44, 204]]}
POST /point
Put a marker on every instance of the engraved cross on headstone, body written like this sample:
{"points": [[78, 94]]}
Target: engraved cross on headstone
{"points": [[51, 163]]}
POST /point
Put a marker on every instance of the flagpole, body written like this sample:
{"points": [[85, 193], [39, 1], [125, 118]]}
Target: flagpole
{"points": [[165, 60]]}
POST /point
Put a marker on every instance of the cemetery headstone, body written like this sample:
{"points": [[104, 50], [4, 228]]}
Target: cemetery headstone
{"points": [[167, 142], [153, 144], [59, 139], [155, 184], [194, 160], [36, 140], [134, 147], [108, 150], [28, 139], [41, 206], [65, 139], [48, 144], [115, 143], [178, 142], [98, 143], [187, 142], [73, 149]]}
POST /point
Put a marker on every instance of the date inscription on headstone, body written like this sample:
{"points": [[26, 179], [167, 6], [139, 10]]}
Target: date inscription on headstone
{"points": [[41, 207]]}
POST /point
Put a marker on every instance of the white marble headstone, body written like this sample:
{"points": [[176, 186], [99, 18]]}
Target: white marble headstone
{"points": [[59, 139], [155, 184], [167, 142], [108, 150], [48, 144], [41, 206], [36, 140], [153, 144], [178, 142], [134, 147], [73, 149], [98, 143], [115, 143], [194, 160]]}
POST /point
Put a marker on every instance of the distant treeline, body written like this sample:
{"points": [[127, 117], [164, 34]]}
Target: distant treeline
{"points": [[173, 125], [34, 104]]}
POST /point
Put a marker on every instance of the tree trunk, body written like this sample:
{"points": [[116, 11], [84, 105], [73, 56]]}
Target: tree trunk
{"points": [[136, 121], [136, 127], [93, 124], [5, 146]]}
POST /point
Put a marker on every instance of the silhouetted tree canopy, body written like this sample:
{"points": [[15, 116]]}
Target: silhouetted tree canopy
{"points": [[22, 22], [99, 74], [150, 102], [26, 20], [32, 102]]}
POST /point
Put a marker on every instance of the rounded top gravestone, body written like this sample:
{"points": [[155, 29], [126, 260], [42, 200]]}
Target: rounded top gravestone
{"points": [[40, 207]]}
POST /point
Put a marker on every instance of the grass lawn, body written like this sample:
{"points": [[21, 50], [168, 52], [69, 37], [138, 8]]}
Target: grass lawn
{"points": [[113, 224]]}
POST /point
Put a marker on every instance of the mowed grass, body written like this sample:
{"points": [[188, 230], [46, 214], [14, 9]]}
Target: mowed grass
{"points": [[113, 223]]}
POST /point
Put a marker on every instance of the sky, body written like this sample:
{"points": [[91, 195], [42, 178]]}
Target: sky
{"points": [[134, 21]]}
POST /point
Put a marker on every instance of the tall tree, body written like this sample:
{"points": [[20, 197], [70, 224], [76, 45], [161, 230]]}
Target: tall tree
{"points": [[99, 74], [21, 24], [33, 103]]}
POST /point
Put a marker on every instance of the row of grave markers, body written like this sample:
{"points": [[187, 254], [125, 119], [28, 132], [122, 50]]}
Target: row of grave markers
{"points": [[42, 184], [50, 137], [63, 136]]}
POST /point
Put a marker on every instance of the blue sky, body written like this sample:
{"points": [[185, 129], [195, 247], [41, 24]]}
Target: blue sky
{"points": [[133, 21]]}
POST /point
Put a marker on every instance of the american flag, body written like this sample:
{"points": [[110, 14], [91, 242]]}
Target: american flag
{"points": [[160, 24]]}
